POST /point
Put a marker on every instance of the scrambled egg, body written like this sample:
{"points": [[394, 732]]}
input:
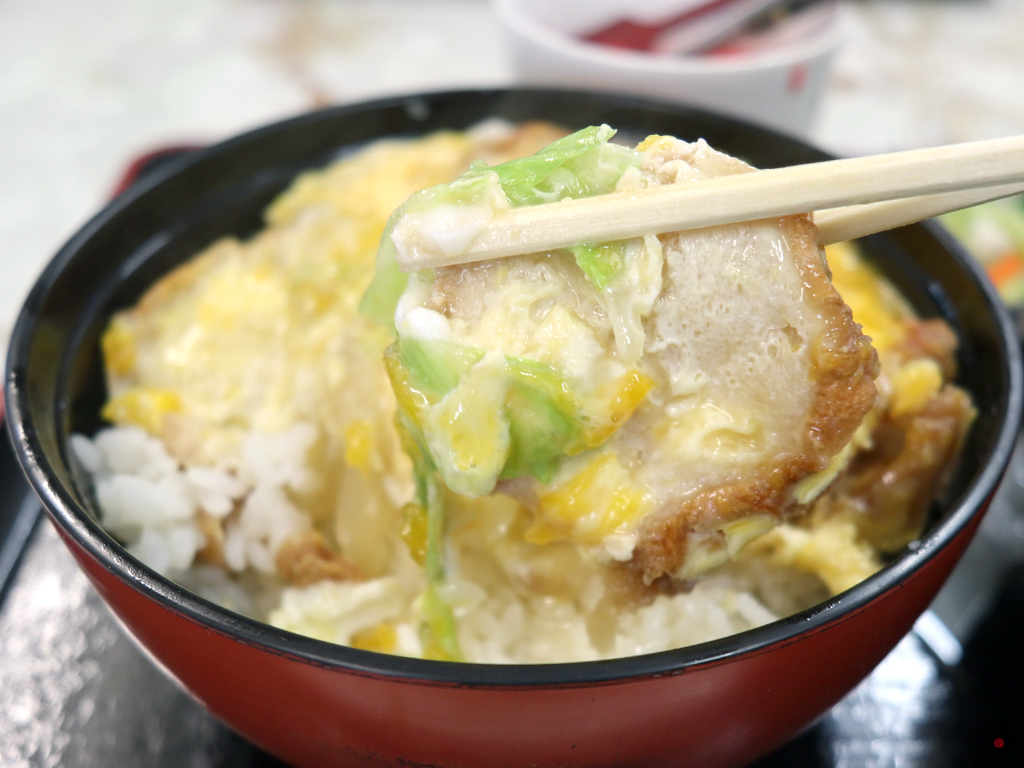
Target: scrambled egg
{"points": [[260, 336], [753, 374]]}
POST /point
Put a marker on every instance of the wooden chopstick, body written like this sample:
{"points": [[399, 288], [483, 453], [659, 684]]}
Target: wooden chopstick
{"points": [[853, 221], [742, 197]]}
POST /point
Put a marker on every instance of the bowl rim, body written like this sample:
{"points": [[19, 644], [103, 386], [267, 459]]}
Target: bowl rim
{"points": [[76, 524], [826, 40]]}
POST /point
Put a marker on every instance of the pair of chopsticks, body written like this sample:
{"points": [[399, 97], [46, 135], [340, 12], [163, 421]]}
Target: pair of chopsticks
{"points": [[851, 198]]}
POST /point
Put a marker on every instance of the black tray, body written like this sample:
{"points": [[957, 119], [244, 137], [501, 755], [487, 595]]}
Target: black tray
{"points": [[76, 692]]}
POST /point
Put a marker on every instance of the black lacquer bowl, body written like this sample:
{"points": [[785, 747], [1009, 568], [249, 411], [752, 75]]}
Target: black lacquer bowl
{"points": [[312, 703]]}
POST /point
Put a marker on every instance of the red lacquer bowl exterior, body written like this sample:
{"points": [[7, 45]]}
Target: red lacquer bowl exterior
{"points": [[722, 713], [313, 704]]}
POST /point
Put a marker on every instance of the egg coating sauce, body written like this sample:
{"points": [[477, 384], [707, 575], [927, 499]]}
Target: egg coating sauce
{"points": [[258, 339]]}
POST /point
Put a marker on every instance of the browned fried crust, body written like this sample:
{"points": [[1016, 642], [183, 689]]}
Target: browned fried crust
{"points": [[844, 366], [213, 532], [894, 484], [305, 559], [930, 338]]}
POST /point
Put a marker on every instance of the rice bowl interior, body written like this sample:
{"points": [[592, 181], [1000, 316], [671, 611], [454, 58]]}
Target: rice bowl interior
{"points": [[254, 460]]}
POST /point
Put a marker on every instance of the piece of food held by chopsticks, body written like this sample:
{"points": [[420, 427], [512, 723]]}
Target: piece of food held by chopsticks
{"points": [[252, 452], [659, 401]]}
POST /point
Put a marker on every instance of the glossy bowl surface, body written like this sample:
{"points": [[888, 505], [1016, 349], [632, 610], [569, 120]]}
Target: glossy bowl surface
{"points": [[721, 703]]}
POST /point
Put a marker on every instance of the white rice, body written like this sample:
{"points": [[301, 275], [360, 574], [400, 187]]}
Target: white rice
{"points": [[152, 503]]}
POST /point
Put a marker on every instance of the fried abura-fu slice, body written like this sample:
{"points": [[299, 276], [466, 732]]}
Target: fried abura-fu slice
{"points": [[660, 401]]}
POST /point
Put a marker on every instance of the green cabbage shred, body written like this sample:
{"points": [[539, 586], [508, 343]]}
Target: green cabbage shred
{"points": [[582, 164]]}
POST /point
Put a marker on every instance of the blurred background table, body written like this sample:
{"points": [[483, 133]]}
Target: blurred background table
{"points": [[86, 87]]}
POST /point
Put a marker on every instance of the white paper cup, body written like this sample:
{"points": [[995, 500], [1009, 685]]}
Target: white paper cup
{"points": [[779, 88]]}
